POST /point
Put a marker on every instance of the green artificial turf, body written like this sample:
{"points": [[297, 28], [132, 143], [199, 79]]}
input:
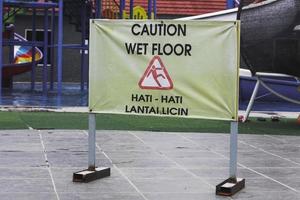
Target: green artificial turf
{"points": [[51, 120], [11, 120]]}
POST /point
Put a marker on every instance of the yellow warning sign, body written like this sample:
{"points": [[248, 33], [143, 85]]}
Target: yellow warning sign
{"points": [[164, 68]]}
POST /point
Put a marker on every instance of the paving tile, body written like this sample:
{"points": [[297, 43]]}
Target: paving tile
{"points": [[293, 182], [159, 173], [115, 137], [281, 172], [223, 173], [25, 185], [125, 147], [18, 158], [63, 162], [177, 166], [265, 162], [21, 147], [133, 154], [192, 163], [169, 146], [287, 154], [18, 141], [188, 153], [261, 195], [183, 196], [188, 185], [67, 147], [62, 133], [100, 196], [24, 173], [28, 196], [105, 185], [144, 163]]}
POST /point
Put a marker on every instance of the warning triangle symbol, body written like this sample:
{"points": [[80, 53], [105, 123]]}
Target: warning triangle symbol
{"points": [[156, 76]]}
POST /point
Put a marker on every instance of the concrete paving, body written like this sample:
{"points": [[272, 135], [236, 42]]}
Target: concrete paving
{"points": [[38, 165]]}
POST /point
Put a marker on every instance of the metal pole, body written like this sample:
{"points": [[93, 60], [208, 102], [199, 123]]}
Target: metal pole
{"points": [[11, 47], [33, 38], [121, 8], [98, 9], [240, 8], [83, 33], [45, 63], [92, 141], [86, 64], [149, 8], [154, 8], [52, 49], [131, 9], [1, 46], [11, 56], [251, 102], [60, 49], [233, 149], [230, 4]]}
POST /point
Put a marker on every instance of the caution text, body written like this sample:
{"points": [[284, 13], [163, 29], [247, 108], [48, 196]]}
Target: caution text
{"points": [[158, 49], [151, 110]]}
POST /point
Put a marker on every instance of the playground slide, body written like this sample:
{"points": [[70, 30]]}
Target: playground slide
{"points": [[22, 61]]}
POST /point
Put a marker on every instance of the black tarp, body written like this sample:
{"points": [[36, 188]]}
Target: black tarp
{"points": [[270, 37]]}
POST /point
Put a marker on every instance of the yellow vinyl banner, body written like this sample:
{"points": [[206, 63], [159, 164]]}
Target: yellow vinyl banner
{"points": [[164, 68]]}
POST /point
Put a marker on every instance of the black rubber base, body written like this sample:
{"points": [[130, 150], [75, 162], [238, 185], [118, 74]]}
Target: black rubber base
{"points": [[230, 186], [87, 175]]}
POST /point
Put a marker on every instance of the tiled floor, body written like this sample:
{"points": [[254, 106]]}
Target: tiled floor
{"points": [[38, 164]]}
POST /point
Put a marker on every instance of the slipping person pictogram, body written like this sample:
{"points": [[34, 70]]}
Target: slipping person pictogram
{"points": [[156, 76]]}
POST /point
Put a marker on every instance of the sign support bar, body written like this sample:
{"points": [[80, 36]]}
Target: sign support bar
{"points": [[92, 141], [233, 149], [93, 172], [233, 184], [251, 102]]}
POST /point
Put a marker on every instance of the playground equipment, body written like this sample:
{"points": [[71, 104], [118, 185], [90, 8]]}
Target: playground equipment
{"points": [[127, 9], [21, 60], [286, 85], [271, 43], [11, 8], [78, 12], [269, 30], [270, 48]]}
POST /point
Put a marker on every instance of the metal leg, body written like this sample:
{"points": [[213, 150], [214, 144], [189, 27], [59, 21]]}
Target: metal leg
{"points": [[232, 185], [131, 9], [60, 51], [93, 172], [52, 49], [251, 102], [45, 47], [149, 8], [92, 141], [9, 79], [1, 61], [230, 4], [33, 38], [122, 5], [98, 9], [83, 56], [233, 149], [154, 9]]}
